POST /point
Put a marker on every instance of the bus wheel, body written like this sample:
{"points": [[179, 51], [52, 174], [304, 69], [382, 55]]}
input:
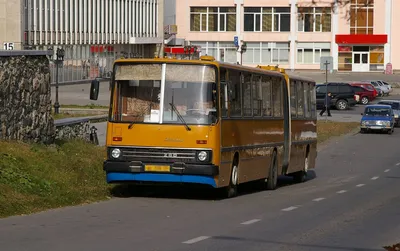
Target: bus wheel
{"points": [[300, 177], [232, 188], [272, 179]]}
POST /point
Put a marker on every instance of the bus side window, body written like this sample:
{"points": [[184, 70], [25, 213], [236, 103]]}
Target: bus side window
{"points": [[224, 99], [234, 93], [224, 92]]}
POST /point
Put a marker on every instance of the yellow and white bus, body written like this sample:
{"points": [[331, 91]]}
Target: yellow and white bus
{"points": [[207, 122]]}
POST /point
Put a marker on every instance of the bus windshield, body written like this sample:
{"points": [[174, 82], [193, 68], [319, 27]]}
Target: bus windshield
{"points": [[189, 95]]}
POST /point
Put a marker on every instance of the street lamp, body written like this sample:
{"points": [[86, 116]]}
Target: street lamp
{"points": [[243, 49], [60, 59]]}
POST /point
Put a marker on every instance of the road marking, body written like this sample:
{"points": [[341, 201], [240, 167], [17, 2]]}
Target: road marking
{"points": [[318, 199], [197, 239], [360, 185], [387, 170], [289, 209], [375, 178], [341, 191], [250, 222], [398, 164]]}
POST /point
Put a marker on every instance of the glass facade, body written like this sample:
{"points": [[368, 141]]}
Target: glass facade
{"points": [[86, 62]]}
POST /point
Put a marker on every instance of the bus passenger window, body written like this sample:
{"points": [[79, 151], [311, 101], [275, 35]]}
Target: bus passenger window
{"points": [[256, 94], [235, 94], [247, 95], [300, 99], [277, 96], [224, 99], [224, 92], [307, 100], [313, 100], [266, 88], [293, 100]]}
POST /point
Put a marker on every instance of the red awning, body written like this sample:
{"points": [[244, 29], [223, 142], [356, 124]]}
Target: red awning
{"points": [[361, 39]]}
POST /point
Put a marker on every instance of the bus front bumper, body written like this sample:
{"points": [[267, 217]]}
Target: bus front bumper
{"points": [[120, 171]]}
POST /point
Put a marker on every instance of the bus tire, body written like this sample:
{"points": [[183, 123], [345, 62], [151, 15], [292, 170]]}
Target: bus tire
{"points": [[231, 190], [300, 177], [272, 179]]}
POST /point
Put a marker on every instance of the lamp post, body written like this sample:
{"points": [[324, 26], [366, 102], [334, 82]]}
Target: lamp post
{"points": [[243, 49], [59, 59]]}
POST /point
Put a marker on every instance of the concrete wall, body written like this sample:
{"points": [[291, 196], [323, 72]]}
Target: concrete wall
{"points": [[11, 19]]}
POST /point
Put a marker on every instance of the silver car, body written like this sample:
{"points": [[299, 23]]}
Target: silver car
{"points": [[385, 89]]}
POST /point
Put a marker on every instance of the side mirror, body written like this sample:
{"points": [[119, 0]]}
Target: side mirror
{"points": [[362, 113], [94, 89]]}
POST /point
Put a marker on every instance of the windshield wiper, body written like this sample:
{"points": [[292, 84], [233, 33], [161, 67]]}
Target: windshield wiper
{"points": [[180, 117], [131, 124]]}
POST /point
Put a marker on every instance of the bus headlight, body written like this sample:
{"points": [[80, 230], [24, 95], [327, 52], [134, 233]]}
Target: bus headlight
{"points": [[115, 153], [202, 156]]}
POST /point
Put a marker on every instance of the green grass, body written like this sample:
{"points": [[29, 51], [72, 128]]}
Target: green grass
{"points": [[37, 177], [73, 115], [329, 129], [89, 106]]}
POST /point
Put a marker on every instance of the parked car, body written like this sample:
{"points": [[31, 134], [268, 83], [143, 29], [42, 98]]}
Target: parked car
{"points": [[378, 85], [377, 118], [385, 84], [343, 96], [395, 104], [367, 86], [365, 95]]}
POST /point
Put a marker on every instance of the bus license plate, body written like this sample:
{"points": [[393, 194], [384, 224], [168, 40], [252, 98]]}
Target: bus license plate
{"points": [[156, 168]]}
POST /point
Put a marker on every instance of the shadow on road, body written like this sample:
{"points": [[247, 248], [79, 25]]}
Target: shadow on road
{"points": [[193, 192], [294, 245]]}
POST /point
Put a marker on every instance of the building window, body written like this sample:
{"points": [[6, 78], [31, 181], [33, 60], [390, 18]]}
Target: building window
{"points": [[267, 53], [221, 51], [345, 58], [310, 53], [376, 58], [314, 19], [213, 19], [362, 17], [267, 19]]}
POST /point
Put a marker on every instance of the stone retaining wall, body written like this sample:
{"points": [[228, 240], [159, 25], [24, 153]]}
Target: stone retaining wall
{"points": [[73, 128], [25, 102]]}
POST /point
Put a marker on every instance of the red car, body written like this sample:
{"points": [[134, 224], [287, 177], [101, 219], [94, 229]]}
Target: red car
{"points": [[366, 91]]}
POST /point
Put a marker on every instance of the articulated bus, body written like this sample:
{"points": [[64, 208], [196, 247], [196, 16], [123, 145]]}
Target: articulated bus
{"points": [[207, 122]]}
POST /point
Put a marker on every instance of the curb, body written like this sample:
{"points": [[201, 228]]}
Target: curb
{"points": [[77, 120]]}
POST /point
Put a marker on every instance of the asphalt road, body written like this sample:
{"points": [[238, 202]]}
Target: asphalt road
{"points": [[352, 205]]}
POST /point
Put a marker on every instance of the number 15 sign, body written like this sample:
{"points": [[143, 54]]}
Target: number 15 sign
{"points": [[8, 46]]}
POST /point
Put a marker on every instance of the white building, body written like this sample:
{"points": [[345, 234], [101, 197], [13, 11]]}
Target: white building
{"points": [[92, 32]]}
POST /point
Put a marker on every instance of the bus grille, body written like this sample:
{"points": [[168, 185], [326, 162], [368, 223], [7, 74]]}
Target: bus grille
{"points": [[159, 155]]}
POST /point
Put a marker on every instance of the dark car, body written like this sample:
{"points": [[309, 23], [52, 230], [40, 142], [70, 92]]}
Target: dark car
{"points": [[365, 95], [343, 95], [395, 104]]}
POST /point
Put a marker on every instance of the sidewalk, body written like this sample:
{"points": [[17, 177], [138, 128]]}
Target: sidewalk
{"points": [[341, 117]]}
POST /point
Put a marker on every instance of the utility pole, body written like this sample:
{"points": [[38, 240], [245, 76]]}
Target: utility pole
{"points": [[326, 83], [326, 64]]}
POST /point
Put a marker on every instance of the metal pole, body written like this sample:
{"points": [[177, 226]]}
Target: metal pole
{"points": [[56, 104], [326, 94], [241, 56]]}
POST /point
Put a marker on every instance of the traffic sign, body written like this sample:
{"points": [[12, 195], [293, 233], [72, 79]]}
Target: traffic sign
{"points": [[326, 62], [236, 41]]}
